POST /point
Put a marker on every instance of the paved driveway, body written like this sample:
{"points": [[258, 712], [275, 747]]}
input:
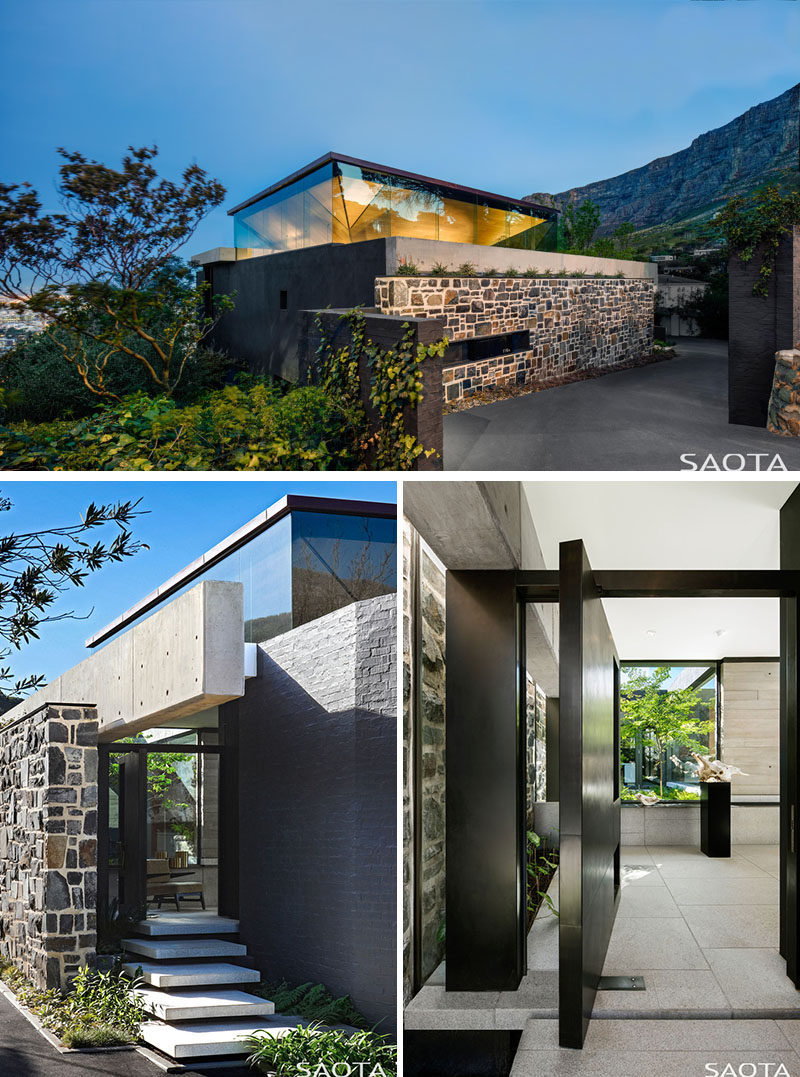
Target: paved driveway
{"points": [[633, 420]]}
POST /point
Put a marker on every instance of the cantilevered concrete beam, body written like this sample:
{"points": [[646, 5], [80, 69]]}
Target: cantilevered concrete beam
{"points": [[186, 657]]}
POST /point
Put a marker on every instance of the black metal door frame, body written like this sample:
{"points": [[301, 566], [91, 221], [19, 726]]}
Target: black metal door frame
{"points": [[133, 817], [485, 736]]}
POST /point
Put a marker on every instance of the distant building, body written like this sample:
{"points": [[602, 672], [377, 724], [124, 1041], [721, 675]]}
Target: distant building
{"points": [[659, 258], [673, 292]]}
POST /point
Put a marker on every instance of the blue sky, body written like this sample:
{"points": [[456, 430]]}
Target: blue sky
{"points": [[185, 519], [513, 97]]}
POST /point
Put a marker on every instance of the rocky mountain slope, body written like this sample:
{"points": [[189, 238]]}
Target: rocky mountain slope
{"points": [[689, 186]]}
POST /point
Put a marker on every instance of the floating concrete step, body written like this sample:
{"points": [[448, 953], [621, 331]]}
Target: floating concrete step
{"points": [[207, 1039], [187, 974], [187, 923], [168, 949], [202, 1004]]}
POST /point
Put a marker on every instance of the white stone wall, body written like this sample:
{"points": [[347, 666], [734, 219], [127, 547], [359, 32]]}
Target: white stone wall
{"points": [[751, 725]]}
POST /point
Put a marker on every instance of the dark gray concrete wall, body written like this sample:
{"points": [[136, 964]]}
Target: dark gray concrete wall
{"points": [[758, 328], [317, 780], [263, 335]]}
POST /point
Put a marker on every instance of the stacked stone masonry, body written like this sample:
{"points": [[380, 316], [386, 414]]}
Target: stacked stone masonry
{"points": [[48, 842], [783, 415], [576, 324]]}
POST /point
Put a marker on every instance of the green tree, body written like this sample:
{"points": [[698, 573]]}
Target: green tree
{"points": [[660, 715], [36, 566], [579, 225], [104, 272], [708, 308], [757, 223]]}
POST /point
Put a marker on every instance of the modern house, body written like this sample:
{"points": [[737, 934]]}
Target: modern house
{"points": [[528, 609], [343, 233], [225, 760]]}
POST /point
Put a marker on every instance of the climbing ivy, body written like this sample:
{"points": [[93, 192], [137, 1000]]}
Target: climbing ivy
{"points": [[395, 384], [756, 223]]}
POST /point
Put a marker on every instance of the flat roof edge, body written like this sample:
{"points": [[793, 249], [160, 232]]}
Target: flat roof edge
{"points": [[259, 523], [331, 156]]}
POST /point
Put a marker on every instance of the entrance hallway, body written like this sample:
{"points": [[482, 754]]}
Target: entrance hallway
{"points": [[631, 420], [702, 932]]}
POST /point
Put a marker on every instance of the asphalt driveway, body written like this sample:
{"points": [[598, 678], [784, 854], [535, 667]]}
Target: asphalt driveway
{"points": [[632, 420]]}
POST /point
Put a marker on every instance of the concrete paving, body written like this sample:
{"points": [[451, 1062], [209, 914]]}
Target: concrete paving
{"points": [[632, 420]]}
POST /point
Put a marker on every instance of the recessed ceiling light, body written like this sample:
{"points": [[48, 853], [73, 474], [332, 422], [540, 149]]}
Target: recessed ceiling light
{"points": [[650, 632]]}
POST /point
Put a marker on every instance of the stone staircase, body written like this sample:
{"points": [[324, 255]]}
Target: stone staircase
{"points": [[192, 974]]}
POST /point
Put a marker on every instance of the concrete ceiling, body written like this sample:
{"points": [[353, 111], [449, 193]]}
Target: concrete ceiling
{"points": [[682, 524]]}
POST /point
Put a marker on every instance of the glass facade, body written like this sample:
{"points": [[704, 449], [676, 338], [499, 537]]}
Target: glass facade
{"points": [[667, 712], [305, 565], [341, 202]]}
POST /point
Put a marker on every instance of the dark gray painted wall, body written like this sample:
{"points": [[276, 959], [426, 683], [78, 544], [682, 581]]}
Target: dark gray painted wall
{"points": [[758, 327], [317, 793], [263, 335]]}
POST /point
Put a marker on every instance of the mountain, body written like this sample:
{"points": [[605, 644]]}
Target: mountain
{"points": [[685, 189]]}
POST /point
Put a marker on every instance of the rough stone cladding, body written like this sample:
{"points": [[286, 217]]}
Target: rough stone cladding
{"points": [[429, 667], [318, 820], [589, 323], [48, 842], [783, 413]]}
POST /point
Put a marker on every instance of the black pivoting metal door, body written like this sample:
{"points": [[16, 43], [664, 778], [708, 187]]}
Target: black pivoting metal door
{"points": [[589, 792]]}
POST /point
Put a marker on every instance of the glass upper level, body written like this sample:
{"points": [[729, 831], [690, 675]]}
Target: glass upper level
{"points": [[303, 558], [340, 199]]}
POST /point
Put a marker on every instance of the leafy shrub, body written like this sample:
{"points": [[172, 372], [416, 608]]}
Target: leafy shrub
{"points": [[305, 1049], [439, 269], [40, 386], [101, 1010], [531, 272], [511, 272], [242, 427], [314, 1002], [407, 269], [466, 269]]}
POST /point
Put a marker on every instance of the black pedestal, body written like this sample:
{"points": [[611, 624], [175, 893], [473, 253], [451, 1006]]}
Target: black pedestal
{"points": [[715, 818]]}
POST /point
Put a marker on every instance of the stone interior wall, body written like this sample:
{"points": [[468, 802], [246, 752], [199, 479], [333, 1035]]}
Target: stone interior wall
{"points": [[429, 666], [751, 725], [537, 746], [576, 324], [48, 842]]}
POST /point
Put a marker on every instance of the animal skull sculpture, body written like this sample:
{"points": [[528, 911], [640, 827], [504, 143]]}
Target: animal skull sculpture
{"points": [[712, 770]]}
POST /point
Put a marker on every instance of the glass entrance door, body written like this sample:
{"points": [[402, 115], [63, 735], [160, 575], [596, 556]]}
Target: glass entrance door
{"points": [[158, 838]]}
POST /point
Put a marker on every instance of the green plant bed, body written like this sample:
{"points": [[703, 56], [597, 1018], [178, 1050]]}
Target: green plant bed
{"points": [[314, 1002], [101, 1009], [542, 866], [670, 795], [306, 1050]]}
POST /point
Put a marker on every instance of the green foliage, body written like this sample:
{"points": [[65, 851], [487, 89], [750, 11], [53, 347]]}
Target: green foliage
{"points": [[629, 794], [511, 272], [756, 223], [542, 864], [313, 1002], [579, 225], [101, 1006], [40, 387], [660, 716], [407, 269], [439, 269], [250, 426], [304, 1050], [395, 385], [466, 269]]}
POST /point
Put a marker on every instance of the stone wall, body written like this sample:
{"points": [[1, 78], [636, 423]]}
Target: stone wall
{"points": [[48, 842], [576, 324], [424, 688], [537, 746]]}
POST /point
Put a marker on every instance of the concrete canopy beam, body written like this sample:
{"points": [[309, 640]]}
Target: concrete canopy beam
{"points": [[188, 656]]}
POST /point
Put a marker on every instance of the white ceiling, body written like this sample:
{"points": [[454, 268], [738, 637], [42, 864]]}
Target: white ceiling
{"points": [[672, 524]]}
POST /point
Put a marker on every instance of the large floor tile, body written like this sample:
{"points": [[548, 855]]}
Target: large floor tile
{"points": [[641, 901], [643, 874], [766, 857], [728, 926], [435, 1008], [686, 1035], [675, 852], [543, 945], [754, 979], [636, 945], [635, 854], [716, 892], [677, 1063], [708, 868]]}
